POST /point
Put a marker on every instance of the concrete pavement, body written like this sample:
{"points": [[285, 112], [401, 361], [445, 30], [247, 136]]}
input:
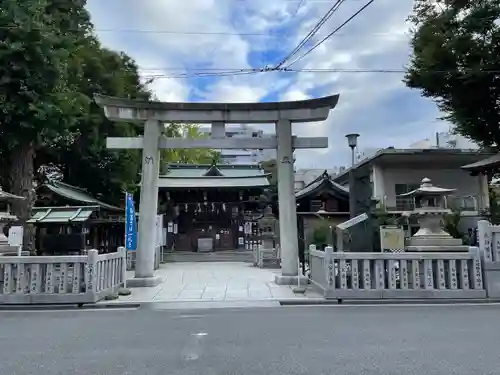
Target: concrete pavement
{"points": [[360, 340], [214, 282]]}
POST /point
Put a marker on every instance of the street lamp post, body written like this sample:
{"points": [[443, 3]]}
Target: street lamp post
{"points": [[352, 140]]}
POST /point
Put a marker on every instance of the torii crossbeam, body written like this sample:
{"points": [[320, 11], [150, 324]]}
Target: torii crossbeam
{"points": [[155, 114]]}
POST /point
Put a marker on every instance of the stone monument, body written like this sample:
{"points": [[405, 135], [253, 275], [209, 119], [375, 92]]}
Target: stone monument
{"points": [[5, 218], [267, 256], [430, 210]]}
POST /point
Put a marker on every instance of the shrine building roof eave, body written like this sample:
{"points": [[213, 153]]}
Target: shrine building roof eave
{"points": [[323, 185], [76, 194], [488, 164], [118, 109], [205, 177], [213, 182]]}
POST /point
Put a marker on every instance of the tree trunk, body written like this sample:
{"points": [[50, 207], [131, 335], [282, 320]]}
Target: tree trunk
{"points": [[22, 184]]}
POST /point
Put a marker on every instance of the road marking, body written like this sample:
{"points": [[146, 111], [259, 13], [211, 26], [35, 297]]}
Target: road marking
{"points": [[199, 334], [189, 316], [193, 349]]}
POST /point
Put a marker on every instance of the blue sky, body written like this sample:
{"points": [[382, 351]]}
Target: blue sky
{"points": [[377, 106]]}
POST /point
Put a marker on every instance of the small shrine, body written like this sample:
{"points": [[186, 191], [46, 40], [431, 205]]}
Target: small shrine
{"points": [[5, 218], [430, 211], [211, 207], [70, 221]]}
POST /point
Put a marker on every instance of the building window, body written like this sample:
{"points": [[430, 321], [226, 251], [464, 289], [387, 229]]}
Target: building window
{"points": [[404, 203]]}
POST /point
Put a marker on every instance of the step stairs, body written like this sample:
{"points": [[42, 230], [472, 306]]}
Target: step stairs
{"points": [[244, 256]]}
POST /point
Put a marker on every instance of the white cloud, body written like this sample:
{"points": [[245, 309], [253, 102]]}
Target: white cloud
{"points": [[376, 105]]}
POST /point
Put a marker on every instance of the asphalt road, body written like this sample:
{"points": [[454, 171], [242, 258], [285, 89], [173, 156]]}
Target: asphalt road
{"points": [[374, 340]]}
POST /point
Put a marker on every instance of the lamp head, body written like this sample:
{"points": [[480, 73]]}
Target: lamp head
{"points": [[352, 139]]}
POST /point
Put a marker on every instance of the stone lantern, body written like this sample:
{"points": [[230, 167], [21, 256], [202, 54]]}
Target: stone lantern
{"points": [[430, 211], [268, 256], [268, 228], [6, 217]]}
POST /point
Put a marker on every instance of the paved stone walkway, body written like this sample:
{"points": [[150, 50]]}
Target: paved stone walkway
{"points": [[224, 281]]}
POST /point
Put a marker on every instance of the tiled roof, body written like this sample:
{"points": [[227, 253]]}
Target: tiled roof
{"points": [[324, 181], [75, 194], [209, 176]]}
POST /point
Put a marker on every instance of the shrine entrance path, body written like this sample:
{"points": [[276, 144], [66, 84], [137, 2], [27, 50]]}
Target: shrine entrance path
{"points": [[214, 282]]}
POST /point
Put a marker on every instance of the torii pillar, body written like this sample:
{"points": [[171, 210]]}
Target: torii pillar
{"points": [[156, 114]]}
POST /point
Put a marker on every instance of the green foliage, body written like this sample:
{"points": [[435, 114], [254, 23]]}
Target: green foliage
{"points": [[82, 155], [451, 224], [270, 167], [494, 206], [382, 217], [455, 61], [192, 155], [51, 65], [37, 93], [37, 98], [322, 234]]}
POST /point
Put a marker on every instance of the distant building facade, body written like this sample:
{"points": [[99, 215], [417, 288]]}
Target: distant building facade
{"points": [[243, 156], [445, 140]]}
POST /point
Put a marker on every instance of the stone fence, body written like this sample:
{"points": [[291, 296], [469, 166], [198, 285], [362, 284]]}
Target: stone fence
{"points": [[75, 279], [489, 248], [344, 275]]}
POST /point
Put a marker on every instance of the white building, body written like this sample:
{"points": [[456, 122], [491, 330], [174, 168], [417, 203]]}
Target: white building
{"points": [[392, 172], [445, 140], [243, 156]]}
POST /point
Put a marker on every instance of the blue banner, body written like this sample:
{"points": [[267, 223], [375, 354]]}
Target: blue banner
{"points": [[130, 223]]}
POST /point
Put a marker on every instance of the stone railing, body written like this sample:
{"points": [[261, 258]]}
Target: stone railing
{"points": [[397, 275], [75, 279], [266, 257]]}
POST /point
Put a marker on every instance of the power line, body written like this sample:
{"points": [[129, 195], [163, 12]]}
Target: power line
{"points": [[141, 31], [311, 33], [332, 33], [316, 71], [297, 9], [215, 33]]}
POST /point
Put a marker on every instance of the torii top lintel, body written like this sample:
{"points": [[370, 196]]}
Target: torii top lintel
{"points": [[118, 109]]}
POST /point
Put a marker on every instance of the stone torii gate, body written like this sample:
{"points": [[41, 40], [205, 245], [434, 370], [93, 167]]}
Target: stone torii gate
{"points": [[156, 114]]}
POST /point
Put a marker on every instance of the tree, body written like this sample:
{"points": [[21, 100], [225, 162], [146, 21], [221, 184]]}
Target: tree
{"points": [[456, 60], [188, 155], [83, 157], [36, 93], [270, 167]]}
